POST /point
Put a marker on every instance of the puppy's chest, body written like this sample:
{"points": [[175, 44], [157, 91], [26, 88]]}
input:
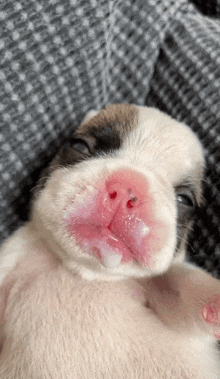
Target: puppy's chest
{"points": [[104, 328], [106, 304], [110, 321], [98, 312]]}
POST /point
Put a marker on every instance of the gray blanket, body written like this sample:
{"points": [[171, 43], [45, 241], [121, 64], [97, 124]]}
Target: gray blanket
{"points": [[61, 58]]}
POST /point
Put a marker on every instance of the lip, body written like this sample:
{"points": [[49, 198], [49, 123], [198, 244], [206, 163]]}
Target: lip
{"points": [[121, 245], [101, 242]]}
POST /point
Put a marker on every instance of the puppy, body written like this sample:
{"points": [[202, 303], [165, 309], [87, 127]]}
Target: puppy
{"points": [[95, 285]]}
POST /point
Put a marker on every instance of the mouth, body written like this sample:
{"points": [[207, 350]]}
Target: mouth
{"points": [[102, 243], [113, 247]]}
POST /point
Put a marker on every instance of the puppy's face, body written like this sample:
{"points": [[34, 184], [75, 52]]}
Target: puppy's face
{"points": [[118, 198]]}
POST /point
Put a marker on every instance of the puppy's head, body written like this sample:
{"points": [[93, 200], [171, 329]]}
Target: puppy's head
{"points": [[118, 198]]}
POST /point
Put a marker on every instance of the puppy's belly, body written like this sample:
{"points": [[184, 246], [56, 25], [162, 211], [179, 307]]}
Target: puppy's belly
{"points": [[59, 324]]}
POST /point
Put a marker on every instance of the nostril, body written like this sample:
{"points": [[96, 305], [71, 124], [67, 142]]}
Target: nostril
{"points": [[113, 195], [131, 202]]}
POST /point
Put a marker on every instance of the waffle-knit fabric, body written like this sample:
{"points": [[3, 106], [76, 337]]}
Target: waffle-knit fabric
{"points": [[61, 58]]}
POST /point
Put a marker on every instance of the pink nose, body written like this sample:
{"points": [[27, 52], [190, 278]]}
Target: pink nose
{"points": [[126, 191], [120, 192], [118, 219], [130, 207]]}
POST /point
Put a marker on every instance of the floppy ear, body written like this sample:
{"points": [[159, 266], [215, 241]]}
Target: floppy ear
{"points": [[187, 299]]}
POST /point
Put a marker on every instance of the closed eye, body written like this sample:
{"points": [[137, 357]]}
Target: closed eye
{"points": [[80, 145]]}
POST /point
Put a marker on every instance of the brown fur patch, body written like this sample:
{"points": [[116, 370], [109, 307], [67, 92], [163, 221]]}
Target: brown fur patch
{"points": [[122, 117]]}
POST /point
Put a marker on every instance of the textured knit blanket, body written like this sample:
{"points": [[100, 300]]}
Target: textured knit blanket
{"points": [[61, 58]]}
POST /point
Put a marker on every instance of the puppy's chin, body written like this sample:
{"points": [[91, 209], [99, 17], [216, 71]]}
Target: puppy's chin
{"points": [[89, 267]]}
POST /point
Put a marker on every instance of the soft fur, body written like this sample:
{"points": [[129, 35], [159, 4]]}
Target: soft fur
{"points": [[65, 312]]}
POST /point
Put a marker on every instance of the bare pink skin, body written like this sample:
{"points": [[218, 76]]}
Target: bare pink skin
{"points": [[211, 312], [119, 218]]}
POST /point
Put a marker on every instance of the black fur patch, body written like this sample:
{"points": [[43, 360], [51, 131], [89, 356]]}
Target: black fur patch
{"points": [[107, 138], [185, 214], [98, 139]]}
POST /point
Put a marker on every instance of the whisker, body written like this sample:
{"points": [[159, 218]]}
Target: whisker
{"points": [[186, 241], [188, 227]]}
